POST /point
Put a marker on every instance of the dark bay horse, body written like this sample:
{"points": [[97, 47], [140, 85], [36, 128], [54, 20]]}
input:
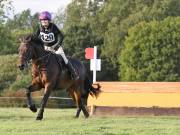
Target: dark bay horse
{"points": [[49, 72]]}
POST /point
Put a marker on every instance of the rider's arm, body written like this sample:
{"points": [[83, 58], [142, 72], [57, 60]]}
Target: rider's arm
{"points": [[60, 38], [60, 35]]}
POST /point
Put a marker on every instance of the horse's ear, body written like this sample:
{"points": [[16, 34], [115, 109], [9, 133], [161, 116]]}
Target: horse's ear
{"points": [[29, 38], [20, 39]]}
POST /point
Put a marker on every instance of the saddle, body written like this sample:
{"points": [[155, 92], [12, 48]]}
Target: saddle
{"points": [[60, 61], [62, 65]]}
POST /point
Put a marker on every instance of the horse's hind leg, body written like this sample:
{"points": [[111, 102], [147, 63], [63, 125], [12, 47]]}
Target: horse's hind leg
{"points": [[80, 104], [71, 93], [86, 114], [78, 112]]}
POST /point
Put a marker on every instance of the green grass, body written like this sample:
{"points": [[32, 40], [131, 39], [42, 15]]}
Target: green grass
{"points": [[20, 121]]}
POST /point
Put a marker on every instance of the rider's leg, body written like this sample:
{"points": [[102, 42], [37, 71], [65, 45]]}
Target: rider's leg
{"points": [[68, 63]]}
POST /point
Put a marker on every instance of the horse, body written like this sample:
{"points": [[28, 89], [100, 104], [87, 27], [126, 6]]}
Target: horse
{"points": [[50, 73]]}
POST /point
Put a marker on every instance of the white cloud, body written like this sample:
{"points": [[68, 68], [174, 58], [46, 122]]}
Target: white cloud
{"points": [[39, 5]]}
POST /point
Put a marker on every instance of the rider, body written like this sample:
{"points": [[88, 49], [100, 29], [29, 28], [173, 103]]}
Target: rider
{"points": [[52, 38]]}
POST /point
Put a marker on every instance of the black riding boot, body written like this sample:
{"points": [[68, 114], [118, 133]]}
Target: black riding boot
{"points": [[74, 74]]}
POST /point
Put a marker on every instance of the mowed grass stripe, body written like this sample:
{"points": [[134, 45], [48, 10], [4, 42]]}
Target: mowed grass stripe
{"points": [[20, 121]]}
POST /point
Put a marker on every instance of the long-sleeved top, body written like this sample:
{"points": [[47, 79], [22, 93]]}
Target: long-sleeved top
{"points": [[50, 35]]}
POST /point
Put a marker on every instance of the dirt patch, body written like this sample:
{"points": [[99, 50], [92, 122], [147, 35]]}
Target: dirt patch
{"points": [[153, 111]]}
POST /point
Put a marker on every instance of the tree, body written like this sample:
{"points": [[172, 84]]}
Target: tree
{"points": [[77, 39], [23, 21], [59, 18], [6, 43], [151, 52], [20, 24], [111, 20], [5, 36], [80, 11], [5, 5], [118, 16]]}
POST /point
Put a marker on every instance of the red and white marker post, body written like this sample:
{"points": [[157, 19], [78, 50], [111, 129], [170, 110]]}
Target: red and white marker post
{"points": [[95, 64]]}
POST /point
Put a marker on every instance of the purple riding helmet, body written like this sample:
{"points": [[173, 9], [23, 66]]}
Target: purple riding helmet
{"points": [[45, 15]]}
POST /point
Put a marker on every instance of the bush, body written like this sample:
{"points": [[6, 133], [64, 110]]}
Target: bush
{"points": [[7, 44], [151, 52], [10, 76], [8, 70]]}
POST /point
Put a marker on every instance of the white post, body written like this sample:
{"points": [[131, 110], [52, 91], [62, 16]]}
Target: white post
{"points": [[94, 70]]}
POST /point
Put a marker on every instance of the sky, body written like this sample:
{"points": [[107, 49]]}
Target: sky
{"points": [[39, 5]]}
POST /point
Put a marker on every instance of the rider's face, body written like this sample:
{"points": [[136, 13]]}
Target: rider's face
{"points": [[45, 23]]}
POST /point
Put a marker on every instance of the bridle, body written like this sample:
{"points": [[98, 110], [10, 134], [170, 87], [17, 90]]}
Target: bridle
{"points": [[27, 57]]}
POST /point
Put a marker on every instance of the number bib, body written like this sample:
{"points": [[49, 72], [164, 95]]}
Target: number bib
{"points": [[47, 38]]}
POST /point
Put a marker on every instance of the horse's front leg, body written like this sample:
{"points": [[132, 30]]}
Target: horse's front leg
{"points": [[31, 88], [47, 93]]}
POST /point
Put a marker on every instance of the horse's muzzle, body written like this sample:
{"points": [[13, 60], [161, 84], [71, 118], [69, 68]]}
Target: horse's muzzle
{"points": [[21, 67]]}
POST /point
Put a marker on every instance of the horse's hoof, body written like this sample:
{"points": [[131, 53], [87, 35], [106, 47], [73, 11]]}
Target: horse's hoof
{"points": [[39, 118], [76, 117], [33, 108], [87, 116]]}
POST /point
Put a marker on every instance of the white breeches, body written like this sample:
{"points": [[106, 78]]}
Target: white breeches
{"points": [[59, 51]]}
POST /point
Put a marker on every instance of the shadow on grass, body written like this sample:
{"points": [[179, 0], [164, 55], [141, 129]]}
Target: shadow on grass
{"points": [[4, 118]]}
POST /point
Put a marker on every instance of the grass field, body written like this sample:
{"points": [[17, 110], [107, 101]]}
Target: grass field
{"points": [[20, 121]]}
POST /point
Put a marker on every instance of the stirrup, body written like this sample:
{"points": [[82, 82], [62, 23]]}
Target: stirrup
{"points": [[74, 76], [73, 72]]}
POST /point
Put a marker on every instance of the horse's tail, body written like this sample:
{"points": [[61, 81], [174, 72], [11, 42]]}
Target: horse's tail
{"points": [[91, 89]]}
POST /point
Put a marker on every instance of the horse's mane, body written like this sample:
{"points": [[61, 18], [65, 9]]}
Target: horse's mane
{"points": [[36, 40], [31, 38]]}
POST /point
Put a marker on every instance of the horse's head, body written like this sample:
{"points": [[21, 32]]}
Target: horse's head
{"points": [[30, 47], [25, 51]]}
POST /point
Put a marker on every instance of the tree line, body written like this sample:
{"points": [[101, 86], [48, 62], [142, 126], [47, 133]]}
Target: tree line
{"points": [[138, 40]]}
